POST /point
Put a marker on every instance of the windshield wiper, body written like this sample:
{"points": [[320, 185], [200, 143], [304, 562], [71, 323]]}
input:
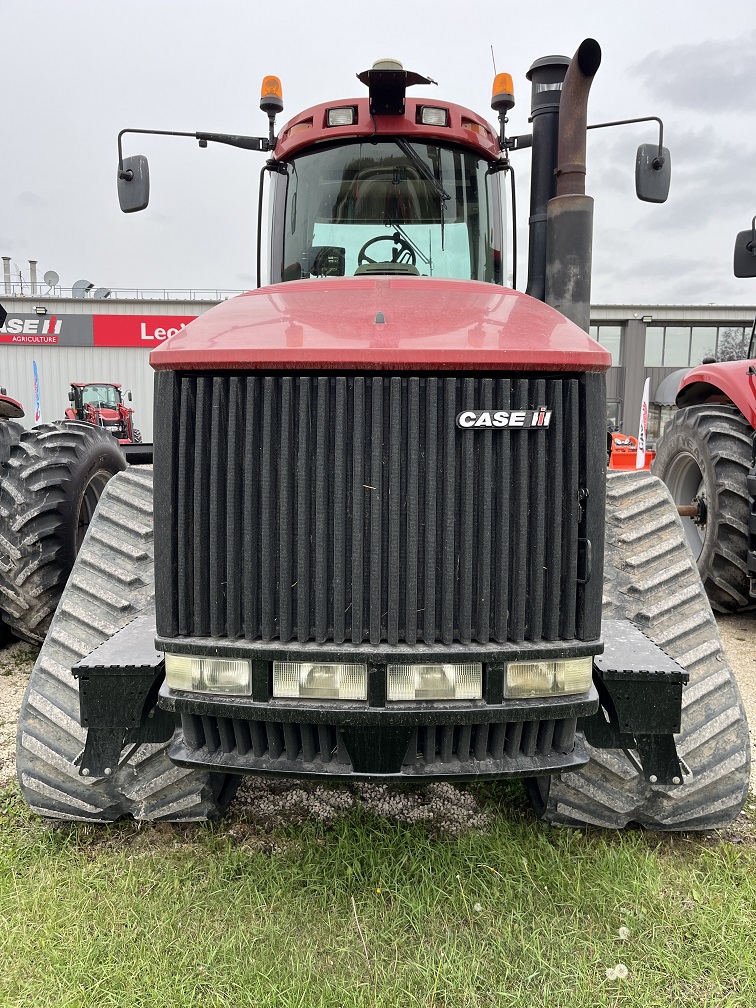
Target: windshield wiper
{"points": [[422, 167]]}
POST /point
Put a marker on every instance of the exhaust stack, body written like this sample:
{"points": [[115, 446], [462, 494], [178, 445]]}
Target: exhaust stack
{"points": [[569, 214]]}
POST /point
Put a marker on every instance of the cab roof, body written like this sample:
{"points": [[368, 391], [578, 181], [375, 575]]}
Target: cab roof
{"points": [[464, 127]]}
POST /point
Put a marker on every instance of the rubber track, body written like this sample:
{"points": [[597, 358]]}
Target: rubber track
{"points": [[727, 438], [651, 578], [34, 522], [111, 583]]}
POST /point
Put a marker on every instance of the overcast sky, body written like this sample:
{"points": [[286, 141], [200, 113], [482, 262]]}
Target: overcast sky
{"points": [[75, 72]]}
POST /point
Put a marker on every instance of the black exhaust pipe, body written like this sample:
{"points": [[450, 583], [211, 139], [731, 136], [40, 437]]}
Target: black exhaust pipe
{"points": [[569, 214], [546, 75]]}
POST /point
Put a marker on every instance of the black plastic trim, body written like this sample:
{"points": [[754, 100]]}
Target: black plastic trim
{"points": [[492, 654], [351, 713]]}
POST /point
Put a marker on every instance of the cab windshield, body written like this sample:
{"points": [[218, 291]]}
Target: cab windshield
{"points": [[103, 396], [390, 207]]}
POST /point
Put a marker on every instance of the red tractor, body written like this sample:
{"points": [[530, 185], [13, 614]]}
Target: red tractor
{"points": [[385, 545], [706, 457], [101, 404]]}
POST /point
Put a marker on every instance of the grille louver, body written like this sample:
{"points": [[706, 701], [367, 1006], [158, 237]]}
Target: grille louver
{"points": [[352, 509]]}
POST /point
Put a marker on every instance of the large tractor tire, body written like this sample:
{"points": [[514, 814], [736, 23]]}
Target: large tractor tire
{"points": [[49, 488], [705, 454], [10, 434], [111, 583], [650, 578]]}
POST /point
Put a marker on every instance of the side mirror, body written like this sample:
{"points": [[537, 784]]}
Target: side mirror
{"points": [[134, 184], [653, 173], [744, 260], [128, 395], [70, 397]]}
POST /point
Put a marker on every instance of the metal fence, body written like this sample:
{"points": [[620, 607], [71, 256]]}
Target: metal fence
{"points": [[16, 288]]}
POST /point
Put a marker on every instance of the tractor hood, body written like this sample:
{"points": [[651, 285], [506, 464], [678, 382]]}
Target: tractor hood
{"points": [[380, 322], [723, 382]]}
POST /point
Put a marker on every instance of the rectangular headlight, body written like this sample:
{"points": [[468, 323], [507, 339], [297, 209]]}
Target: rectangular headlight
{"points": [[325, 680], [434, 116], [209, 675], [435, 682], [341, 116], [548, 678]]}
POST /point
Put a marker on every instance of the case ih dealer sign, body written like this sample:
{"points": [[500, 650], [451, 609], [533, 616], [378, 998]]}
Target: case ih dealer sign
{"points": [[91, 330]]}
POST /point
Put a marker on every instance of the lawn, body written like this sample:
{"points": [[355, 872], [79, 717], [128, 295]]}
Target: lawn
{"points": [[366, 911]]}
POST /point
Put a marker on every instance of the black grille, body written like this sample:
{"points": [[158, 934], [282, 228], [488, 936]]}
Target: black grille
{"points": [[272, 740], [430, 745], [352, 509]]}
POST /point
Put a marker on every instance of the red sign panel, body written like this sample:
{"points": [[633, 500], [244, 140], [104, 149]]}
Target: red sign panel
{"points": [[137, 330]]}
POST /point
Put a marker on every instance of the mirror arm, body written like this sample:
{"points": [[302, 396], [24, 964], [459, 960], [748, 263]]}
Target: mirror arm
{"points": [[245, 142], [518, 142], [659, 159], [752, 249]]}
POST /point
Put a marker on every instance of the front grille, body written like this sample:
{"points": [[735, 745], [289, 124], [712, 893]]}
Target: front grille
{"points": [[269, 740], [352, 509], [287, 746]]}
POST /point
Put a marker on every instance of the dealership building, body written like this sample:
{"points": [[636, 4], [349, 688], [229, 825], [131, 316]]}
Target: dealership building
{"points": [[84, 339]]}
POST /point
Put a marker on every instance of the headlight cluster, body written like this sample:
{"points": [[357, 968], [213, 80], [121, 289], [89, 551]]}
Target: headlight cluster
{"points": [[346, 681]]}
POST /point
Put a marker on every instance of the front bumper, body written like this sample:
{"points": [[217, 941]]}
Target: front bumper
{"points": [[345, 740]]}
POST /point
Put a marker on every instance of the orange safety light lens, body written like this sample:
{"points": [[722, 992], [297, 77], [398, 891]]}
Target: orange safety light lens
{"points": [[502, 94], [271, 98], [271, 87]]}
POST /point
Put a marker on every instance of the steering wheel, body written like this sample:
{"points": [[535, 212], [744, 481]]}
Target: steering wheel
{"points": [[404, 254]]}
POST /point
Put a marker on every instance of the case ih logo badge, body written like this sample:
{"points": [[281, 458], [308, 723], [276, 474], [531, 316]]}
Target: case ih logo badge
{"points": [[36, 330], [528, 419]]}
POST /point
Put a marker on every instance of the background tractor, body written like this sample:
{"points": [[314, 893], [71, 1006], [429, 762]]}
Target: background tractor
{"points": [[101, 404], [379, 540], [706, 457]]}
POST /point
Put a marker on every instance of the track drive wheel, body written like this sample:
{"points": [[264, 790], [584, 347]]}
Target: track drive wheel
{"points": [[650, 578], [111, 583], [704, 456], [49, 488]]}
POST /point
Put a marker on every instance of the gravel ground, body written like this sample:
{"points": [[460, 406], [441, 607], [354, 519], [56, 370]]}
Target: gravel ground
{"points": [[439, 802]]}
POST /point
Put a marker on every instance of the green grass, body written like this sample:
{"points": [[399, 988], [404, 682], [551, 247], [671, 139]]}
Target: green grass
{"points": [[364, 912]]}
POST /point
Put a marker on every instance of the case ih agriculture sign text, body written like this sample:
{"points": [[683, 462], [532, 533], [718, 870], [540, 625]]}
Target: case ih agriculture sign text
{"points": [[91, 330]]}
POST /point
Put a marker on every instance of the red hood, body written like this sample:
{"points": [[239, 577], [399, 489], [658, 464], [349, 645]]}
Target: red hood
{"points": [[382, 322]]}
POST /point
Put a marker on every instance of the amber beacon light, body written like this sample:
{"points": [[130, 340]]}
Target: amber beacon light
{"points": [[271, 96]]}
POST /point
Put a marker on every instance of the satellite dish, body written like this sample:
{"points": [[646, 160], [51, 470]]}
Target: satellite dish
{"points": [[102, 292], [51, 278], [81, 288]]}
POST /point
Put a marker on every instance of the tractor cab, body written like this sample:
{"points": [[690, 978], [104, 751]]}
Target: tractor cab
{"points": [[392, 206], [99, 396]]}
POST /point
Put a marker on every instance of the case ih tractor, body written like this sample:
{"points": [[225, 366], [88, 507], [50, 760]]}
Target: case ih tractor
{"points": [[706, 457], [101, 404], [384, 544]]}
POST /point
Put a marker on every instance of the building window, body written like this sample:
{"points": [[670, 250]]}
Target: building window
{"points": [[609, 336], [613, 413], [703, 343], [732, 343], [685, 346], [654, 346]]}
